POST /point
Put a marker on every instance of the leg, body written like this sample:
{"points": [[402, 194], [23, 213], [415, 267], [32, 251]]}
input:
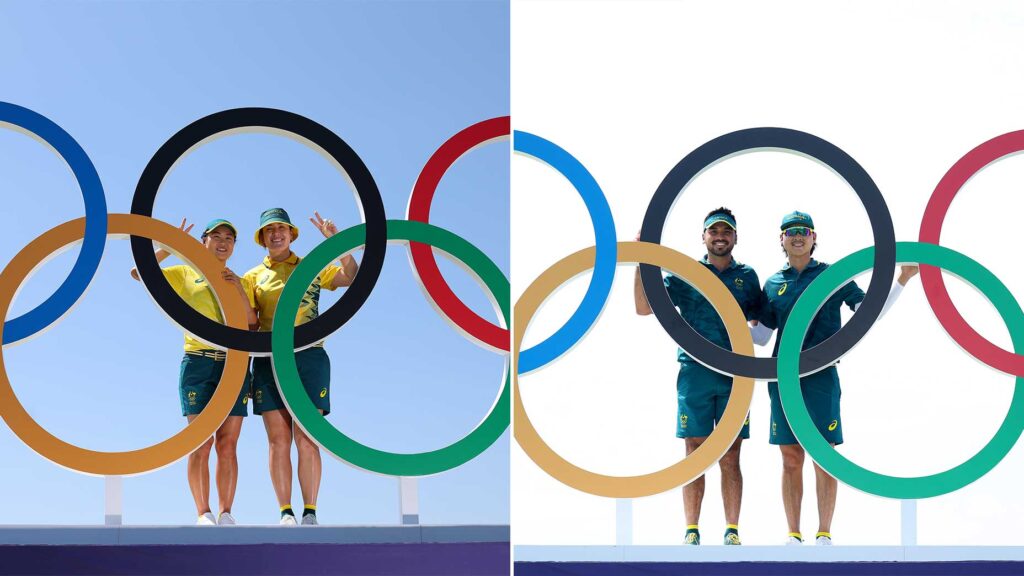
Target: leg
{"points": [[198, 470], [309, 466], [227, 461], [693, 493], [732, 482], [792, 483], [826, 487], [279, 435]]}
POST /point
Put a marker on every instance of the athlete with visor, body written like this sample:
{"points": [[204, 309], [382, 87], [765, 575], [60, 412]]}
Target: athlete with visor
{"points": [[821, 391], [702, 392], [201, 369]]}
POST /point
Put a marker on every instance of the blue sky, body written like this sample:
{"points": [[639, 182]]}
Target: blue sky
{"points": [[394, 79]]}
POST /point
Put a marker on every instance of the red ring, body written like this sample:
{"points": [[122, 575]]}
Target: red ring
{"points": [[931, 277], [423, 262]]}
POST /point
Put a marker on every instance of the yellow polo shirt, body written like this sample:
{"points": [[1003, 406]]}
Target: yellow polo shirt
{"points": [[267, 282], [196, 292]]}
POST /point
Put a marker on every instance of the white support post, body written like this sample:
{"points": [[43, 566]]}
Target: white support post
{"points": [[408, 500], [624, 522], [908, 522], [113, 514]]}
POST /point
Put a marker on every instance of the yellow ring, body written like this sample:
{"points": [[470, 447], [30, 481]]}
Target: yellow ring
{"points": [[195, 433], [725, 432]]}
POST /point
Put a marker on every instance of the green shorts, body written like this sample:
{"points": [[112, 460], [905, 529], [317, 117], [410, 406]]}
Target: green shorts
{"points": [[821, 394], [197, 381], [703, 394], [314, 370]]}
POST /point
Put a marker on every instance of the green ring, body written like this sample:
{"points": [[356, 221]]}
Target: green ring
{"points": [[302, 408], [800, 420]]}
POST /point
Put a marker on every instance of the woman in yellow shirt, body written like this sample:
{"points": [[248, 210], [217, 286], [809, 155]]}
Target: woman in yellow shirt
{"points": [[276, 233], [201, 369]]}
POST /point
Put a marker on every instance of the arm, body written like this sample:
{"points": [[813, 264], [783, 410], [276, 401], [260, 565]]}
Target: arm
{"points": [[250, 313], [162, 254], [906, 273], [643, 307], [349, 267]]}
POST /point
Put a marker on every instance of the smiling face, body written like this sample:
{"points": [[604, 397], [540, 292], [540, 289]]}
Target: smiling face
{"points": [[277, 237], [798, 240], [220, 242], [720, 239]]}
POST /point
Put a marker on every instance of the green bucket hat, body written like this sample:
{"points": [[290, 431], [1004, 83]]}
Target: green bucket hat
{"points": [[213, 224], [273, 216]]}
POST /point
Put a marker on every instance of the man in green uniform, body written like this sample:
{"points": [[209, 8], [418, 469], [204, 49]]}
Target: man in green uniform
{"points": [[201, 369], [821, 390], [703, 393]]}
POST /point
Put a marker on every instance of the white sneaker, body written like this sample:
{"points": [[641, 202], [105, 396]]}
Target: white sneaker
{"points": [[794, 541], [226, 519], [288, 520], [823, 541], [309, 520], [206, 519]]}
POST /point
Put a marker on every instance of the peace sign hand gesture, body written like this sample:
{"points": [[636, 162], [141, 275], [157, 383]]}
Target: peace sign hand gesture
{"points": [[326, 227]]}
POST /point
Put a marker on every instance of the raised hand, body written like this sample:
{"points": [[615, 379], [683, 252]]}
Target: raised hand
{"points": [[185, 229], [326, 227], [907, 272]]}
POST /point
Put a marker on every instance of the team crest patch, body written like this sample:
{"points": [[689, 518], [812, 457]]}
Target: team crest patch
{"points": [[774, 430], [783, 289], [738, 282], [192, 398], [682, 420]]}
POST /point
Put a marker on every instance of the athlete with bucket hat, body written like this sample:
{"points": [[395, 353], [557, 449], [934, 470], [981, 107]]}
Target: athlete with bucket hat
{"points": [[276, 233]]}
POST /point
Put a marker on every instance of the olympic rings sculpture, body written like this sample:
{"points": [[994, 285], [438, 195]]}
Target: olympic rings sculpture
{"points": [[791, 362], [240, 343]]}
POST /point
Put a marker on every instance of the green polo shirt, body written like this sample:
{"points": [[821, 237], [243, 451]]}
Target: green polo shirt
{"points": [[783, 288], [740, 279]]}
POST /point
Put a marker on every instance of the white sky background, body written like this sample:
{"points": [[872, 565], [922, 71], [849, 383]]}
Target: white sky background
{"points": [[906, 88]]}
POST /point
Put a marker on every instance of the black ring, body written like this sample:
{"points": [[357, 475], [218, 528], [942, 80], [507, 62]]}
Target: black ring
{"points": [[825, 353], [366, 190]]}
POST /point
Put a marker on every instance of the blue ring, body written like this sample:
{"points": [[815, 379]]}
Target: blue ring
{"points": [[604, 268], [45, 314]]}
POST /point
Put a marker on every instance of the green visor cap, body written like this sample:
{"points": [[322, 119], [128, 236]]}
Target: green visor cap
{"points": [[213, 224], [716, 218], [797, 219], [273, 216]]}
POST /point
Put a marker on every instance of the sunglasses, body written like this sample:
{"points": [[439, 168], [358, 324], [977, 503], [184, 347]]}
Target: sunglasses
{"points": [[798, 231]]}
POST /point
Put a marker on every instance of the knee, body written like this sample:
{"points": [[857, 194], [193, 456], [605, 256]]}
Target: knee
{"points": [[730, 462], [203, 451], [693, 443], [793, 459], [226, 448], [281, 441], [305, 446]]}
